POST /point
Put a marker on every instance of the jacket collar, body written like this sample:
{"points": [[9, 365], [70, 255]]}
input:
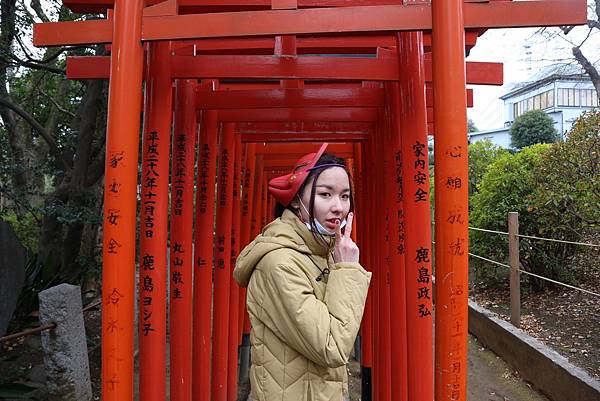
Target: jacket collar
{"points": [[316, 247]]}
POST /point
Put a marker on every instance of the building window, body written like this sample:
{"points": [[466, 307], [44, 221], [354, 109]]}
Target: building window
{"points": [[577, 97], [540, 101]]}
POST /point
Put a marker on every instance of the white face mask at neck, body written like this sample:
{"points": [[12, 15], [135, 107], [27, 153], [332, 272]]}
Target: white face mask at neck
{"points": [[320, 228]]}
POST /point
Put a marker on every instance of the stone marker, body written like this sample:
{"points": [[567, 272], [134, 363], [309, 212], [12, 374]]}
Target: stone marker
{"points": [[65, 347], [12, 273]]}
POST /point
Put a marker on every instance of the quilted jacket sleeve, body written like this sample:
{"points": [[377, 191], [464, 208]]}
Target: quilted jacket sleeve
{"points": [[323, 331]]}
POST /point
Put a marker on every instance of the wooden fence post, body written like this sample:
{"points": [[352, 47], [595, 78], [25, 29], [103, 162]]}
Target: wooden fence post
{"points": [[513, 257]]}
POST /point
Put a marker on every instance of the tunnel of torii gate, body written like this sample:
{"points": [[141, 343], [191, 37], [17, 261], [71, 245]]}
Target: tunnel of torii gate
{"points": [[232, 93]]}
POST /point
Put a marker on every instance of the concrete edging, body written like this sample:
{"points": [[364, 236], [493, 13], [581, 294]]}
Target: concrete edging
{"points": [[544, 368]]}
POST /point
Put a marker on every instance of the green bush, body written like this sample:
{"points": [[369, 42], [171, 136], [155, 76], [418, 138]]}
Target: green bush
{"points": [[27, 228], [567, 197], [531, 128], [507, 186], [556, 191], [481, 155], [569, 192]]}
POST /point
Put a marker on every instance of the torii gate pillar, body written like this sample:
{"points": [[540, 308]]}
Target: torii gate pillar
{"points": [[451, 200], [120, 185]]}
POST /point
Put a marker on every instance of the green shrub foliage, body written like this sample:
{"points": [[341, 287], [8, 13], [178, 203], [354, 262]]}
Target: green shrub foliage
{"points": [[481, 155], [532, 127], [507, 186], [556, 190], [569, 184]]}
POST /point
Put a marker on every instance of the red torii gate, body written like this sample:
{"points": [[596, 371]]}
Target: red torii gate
{"points": [[261, 83]]}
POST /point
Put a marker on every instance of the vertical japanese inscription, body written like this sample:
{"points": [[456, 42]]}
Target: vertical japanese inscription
{"points": [[177, 256], [150, 188], [399, 207], [457, 247], [419, 178], [203, 178], [423, 288], [245, 192], [224, 177], [422, 257], [179, 173]]}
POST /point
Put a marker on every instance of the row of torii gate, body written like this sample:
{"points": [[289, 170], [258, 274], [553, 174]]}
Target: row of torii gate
{"points": [[234, 91]]}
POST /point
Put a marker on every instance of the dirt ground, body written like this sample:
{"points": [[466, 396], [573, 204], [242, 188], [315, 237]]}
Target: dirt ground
{"points": [[566, 320]]}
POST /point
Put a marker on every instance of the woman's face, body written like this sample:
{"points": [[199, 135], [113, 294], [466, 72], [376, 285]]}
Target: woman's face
{"points": [[332, 198]]}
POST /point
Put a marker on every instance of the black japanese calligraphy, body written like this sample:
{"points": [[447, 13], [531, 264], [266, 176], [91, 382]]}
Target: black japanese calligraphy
{"points": [[113, 246], [148, 284], [423, 292], [453, 183], [115, 158], [423, 275], [418, 149], [177, 277], [114, 297], [420, 195], [147, 328], [148, 262], [455, 152], [424, 311], [113, 216], [457, 247], [422, 255], [420, 178], [114, 186]]}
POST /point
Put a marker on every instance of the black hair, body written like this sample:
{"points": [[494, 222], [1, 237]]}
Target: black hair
{"points": [[311, 179]]}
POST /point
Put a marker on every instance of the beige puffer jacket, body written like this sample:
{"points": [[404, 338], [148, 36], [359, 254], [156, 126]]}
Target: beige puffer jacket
{"points": [[303, 330]]}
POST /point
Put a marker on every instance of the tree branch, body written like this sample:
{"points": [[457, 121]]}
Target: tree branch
{"points": [[37, 7], [38, 127], [37, 66], [588, 67], [58, 106], [54, 53], [593, 24]]}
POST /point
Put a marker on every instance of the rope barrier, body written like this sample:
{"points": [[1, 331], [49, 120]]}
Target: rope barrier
{"points": [[487, 231], [482, 229], [559, 283], [39, 329], [536, 275], [489, 260], [558, 240], [532, 237]]}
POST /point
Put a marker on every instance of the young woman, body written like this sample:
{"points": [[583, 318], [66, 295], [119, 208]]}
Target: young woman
{"points": [[306, 289]]}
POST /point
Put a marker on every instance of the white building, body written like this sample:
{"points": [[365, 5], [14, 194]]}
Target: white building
{"points": [[563, 92]]}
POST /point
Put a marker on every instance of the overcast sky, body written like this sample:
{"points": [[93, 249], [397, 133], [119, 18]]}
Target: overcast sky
{"points": [[523, 52]]}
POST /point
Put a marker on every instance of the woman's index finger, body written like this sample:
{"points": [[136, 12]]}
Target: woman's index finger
{"points": [[348, 228], [338, 234]]}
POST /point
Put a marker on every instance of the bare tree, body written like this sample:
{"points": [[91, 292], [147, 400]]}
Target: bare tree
{"points": [[593, 26]]}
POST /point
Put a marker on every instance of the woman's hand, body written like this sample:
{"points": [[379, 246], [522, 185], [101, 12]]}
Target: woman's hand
{"points": [[345, 249]]}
